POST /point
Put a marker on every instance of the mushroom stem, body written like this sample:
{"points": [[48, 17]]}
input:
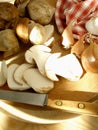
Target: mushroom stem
{"points": [[40, 54]]}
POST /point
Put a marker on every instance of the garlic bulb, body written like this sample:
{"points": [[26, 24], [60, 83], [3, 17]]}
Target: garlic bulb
{"points": [[92, 25], [89, 58]]}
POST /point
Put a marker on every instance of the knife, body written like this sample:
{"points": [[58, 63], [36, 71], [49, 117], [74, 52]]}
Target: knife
{"points": [[77, 107]]}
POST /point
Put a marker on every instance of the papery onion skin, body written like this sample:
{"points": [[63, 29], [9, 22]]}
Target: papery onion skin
{"points": [[89, 60]]}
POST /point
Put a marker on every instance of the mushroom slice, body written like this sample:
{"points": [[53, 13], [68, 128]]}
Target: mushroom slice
{"points": [[37, 81], [37, 34], [40, 34], [63, 66], [3, 73], [49, 29], [19, 72], [28, 57], [40, 53], [12, 84]]}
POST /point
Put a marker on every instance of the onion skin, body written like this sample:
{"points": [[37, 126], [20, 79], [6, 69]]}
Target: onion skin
{"points": [[89, 58]]}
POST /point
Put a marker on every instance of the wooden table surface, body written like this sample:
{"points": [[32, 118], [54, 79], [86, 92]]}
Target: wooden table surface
{"points": [[78, 123]]}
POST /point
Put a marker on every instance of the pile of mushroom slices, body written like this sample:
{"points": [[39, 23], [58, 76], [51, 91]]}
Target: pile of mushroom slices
{"points": [[42, 68]]}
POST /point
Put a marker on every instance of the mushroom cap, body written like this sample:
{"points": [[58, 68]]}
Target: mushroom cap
{"points": [[8, 11]]}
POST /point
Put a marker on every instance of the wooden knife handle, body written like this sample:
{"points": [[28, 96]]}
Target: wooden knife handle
{"points": [[77, 107]]}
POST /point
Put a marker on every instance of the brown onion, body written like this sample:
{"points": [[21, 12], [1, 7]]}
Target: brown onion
{"points": [[89, 58]]}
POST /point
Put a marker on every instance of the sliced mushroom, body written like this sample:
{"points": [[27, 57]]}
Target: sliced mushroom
{"points": [[12, 84], [39, 54], [40, 34], [28, 57], [49, 29], [37, 34], [18, 74], [67, 66], [37, 81], [23, 29], [3, 73], [27, 30]]}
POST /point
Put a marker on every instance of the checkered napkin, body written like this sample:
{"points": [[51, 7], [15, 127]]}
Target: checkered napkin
{"points": [[75, 10]]}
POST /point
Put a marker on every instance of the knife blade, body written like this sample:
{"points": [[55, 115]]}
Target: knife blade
{"points": [[24, 97], [77, 107]]}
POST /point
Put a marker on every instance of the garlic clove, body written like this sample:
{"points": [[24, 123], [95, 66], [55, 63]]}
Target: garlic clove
{"points": [[92, 25]]}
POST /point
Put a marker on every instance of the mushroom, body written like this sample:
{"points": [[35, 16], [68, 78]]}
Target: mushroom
{"points": [[39, 54], [40, 11], [89, 57], [37, 81], [22, 30], [40, 34], [8, 42], [18, 74], [12, 84], [63, 66], [37, 34], [8, 14], [27, 30], [3, 73], [21, 5], [28, 57]]}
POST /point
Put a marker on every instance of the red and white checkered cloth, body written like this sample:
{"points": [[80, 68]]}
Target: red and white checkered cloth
{"points": [[78, 10]]}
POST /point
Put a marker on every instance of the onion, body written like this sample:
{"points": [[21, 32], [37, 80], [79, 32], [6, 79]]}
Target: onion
{"points": [[89, 58]]}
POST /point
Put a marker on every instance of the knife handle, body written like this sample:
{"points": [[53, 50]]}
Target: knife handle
{"points": [[77, 107]]}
